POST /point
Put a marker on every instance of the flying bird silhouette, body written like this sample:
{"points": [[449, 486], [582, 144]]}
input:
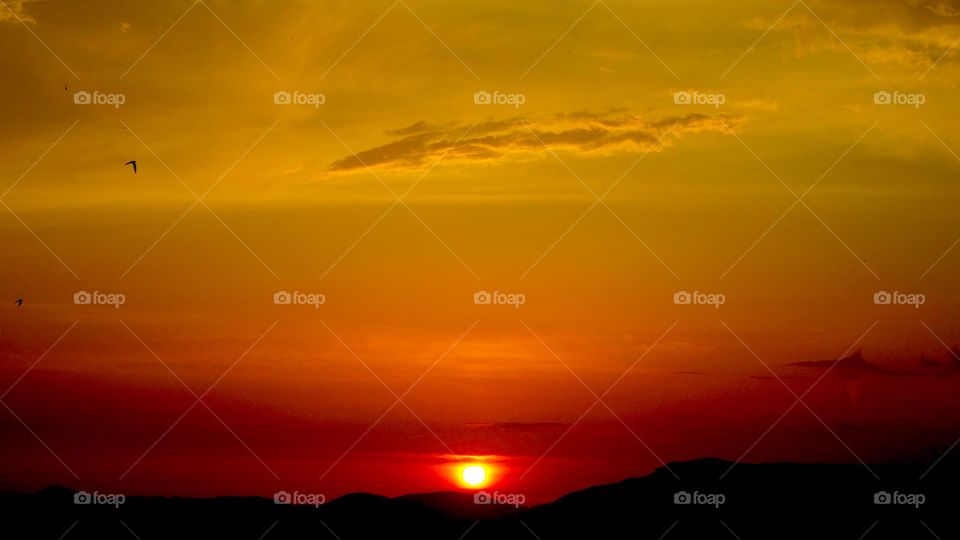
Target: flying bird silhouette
{"points": [[19, 302], [134, 163]]}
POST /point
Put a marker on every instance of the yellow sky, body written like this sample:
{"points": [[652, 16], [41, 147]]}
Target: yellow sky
{"points": [[702, 196]]}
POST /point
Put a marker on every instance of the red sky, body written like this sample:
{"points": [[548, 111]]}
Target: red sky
{"points": [[797, 165]]}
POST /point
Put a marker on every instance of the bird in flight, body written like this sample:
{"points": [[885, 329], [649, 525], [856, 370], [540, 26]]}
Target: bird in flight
{"points": [[19, 302], [134, 163]]}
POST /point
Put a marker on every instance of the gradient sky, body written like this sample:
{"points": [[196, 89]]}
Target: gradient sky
{"points": [[494, 197]]}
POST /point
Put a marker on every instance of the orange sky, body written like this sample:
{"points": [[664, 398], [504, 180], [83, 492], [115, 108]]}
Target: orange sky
{"points": [[789, 186]]}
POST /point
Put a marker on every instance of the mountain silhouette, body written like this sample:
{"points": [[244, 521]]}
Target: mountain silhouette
{"points": [[760, 501]]}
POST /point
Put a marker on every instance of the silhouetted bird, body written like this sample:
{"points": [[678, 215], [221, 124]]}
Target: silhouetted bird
{"points": [[19, 302], [134, 163]]}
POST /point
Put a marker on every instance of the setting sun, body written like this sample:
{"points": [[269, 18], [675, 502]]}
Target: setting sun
{"points": [[474, 475], [473, 472]]}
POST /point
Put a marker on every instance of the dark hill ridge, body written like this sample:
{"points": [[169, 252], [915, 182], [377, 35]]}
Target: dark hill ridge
{"points": [[762, 501]]}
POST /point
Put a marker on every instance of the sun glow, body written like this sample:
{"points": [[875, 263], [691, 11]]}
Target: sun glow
{"points": [[474, 475], [473, 472]]}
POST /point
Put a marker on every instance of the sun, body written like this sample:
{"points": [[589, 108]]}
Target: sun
{"points": [[474, 475], [473, 472]]}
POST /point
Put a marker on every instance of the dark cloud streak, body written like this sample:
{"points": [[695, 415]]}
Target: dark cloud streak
{"points": [[613, 132]]}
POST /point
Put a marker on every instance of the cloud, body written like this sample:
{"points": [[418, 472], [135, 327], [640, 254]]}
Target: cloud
{"points": [[12, 11], [942, 8], [856, 364], [518, 426], [585, 133], [906, 35]]}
